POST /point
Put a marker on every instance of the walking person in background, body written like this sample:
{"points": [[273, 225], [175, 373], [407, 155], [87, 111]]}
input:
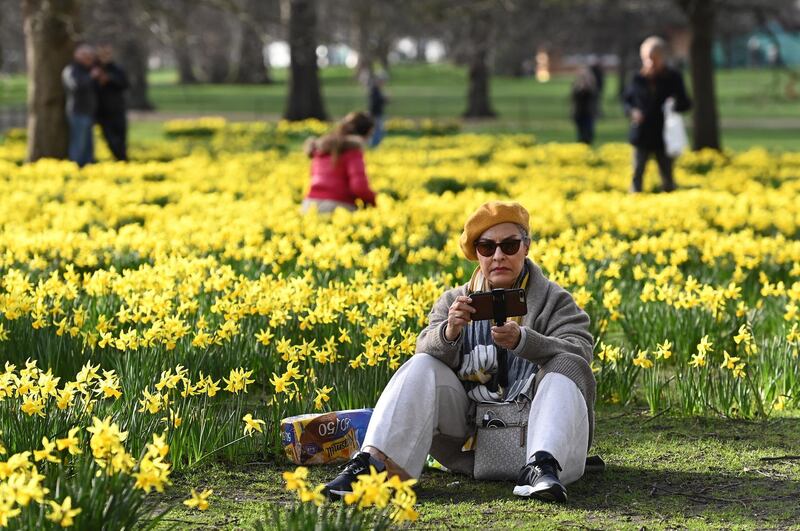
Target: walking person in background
{"points": [[111, 86], [596, 68], [338, 175], [584, 105], [377, 105], [79, 79], [644, 100]]}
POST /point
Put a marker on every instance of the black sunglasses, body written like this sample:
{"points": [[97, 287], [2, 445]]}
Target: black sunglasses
{"points": [[488, 247]]}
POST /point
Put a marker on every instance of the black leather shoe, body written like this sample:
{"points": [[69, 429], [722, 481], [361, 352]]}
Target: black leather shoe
{"points": [[539, 479], [343, 483]]}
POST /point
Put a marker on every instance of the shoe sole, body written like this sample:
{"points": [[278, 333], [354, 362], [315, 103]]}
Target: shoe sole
{"points": [[550, 494], [336, 495]]}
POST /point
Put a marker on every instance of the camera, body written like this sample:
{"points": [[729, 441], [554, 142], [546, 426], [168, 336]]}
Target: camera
{"points": [[498, 304]]}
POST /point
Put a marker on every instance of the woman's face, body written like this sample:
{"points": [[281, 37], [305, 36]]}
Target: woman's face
{"points": [[501, 269], [652, 61]]}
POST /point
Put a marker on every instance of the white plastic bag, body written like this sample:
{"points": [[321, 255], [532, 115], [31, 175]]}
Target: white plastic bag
{"points": [[675, 139]]}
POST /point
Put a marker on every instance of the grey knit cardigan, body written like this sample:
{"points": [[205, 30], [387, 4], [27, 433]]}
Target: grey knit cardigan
{"points": [[557, 336]]}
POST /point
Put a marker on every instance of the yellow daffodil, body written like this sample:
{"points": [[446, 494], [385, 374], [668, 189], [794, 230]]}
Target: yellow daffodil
{"points": [[729, 362], [70, 442], [297, 479], [251, 424], [664, 350], [641, 360], [63, 513], [698, 360], [199, 500], [323, 395]]}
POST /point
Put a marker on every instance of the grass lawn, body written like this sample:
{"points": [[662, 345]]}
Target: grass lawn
{"points": [[752, 106], [662, 473]]}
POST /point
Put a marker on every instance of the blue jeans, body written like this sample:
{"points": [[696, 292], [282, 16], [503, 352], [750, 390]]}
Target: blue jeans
{"points": [[377, 132], [81, 140]]}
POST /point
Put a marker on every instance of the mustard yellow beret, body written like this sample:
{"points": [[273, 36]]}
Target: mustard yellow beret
{"points": [[488, 215]]}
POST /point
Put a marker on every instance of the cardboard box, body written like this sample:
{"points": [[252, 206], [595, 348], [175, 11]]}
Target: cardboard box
{"points": [[318, 438]]}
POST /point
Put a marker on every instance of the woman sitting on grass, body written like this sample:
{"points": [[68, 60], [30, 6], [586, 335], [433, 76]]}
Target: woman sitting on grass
{"points": [[428, 405], [338, 176]]}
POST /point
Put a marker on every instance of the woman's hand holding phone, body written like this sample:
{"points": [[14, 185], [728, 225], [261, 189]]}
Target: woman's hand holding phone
{"points": [[458, 316]]}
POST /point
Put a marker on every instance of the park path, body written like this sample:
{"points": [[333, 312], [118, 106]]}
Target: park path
{"points": [[246, 116]]}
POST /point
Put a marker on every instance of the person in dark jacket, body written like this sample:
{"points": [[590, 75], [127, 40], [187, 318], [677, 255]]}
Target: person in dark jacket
{"points": [[584, 105], [596, 68], [377, 105], [644, 100], [111, 87], [79, 78]]}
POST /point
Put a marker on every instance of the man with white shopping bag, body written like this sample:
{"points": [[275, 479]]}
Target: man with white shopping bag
{"points": [[651, 100]]}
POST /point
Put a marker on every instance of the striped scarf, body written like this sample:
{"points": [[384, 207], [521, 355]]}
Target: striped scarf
{"points": [[479, 355]]}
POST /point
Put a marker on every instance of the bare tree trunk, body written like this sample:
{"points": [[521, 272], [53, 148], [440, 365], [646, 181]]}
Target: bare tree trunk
{"points": [[364, 24], [706, 118], [382, 49], [49, 29], [622, 68], [727, 44], [133, 57], [217, 31], [305, 97], [217, 69], [180, 47], [251, 68], [478, 103], [627, 44], [183, 59], [422, 44], [177, 15]]}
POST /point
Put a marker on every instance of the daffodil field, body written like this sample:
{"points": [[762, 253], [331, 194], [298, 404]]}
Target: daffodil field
{"points": [[171, 310]]}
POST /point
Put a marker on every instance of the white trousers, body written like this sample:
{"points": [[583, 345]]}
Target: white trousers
{"points": [[424, 409]]}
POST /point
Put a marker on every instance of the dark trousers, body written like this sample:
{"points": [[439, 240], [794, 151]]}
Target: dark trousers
{"points": [[585, 125], [640, 158], [115, 131]]}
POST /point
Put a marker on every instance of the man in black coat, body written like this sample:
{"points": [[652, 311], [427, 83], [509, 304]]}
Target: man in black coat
{"points": [[584, 105], [644, 100], [596, 67], [111, 87]]}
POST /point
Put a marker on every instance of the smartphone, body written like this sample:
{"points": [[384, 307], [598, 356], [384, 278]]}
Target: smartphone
{"points": [[513, 300]]}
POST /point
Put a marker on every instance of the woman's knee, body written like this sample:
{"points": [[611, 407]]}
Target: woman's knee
{"points": [[567, 363], [574, 362], [426, 362], [423, 365]]}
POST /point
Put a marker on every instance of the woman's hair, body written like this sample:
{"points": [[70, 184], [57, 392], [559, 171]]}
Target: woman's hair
{"points": [[356, 123], [523, 232], [652, 44]]}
